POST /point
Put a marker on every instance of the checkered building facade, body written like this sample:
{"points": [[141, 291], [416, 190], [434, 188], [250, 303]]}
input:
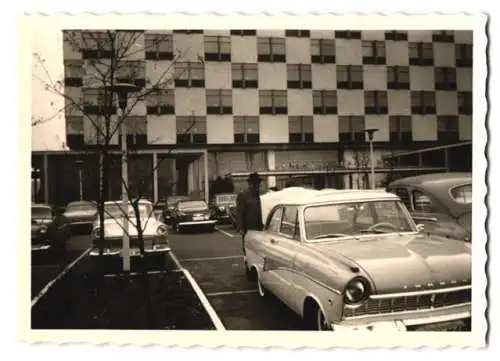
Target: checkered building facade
{"points": [[285, 88]]}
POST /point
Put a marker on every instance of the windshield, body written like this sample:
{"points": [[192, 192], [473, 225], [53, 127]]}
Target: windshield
{"points": [[115, 210], [225, 198], [195, 206], [41, 212], [462, 194], [171, 201], [80, 207], [355, 218]]}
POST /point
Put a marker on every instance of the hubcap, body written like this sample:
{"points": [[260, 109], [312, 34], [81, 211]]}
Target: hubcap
{"points": [[322, 324]]}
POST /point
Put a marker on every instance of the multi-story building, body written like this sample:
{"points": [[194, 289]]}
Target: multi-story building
{"points": [[284, 99]]}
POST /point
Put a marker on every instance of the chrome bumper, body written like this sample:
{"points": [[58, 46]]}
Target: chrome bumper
{"points": [[42, 247], [133, 252], [80, 223], [404, 321], [196, 223]]}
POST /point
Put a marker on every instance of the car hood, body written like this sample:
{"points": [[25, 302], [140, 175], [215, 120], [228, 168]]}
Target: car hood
{"points": [[405, 263], [195, 211], [114, 227]]}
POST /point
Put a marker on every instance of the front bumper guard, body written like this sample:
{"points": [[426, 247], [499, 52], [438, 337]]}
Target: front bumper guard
{"points": [[197, 223], [133, 252]]}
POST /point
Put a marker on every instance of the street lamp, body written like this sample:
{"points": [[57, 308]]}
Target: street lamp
{"points": [[370, 132], [79, 164], [122, 90]]}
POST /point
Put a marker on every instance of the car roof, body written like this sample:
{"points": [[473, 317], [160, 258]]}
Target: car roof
{"points": [[435, 179], [141, 201], [40, 205], [80, 202]]}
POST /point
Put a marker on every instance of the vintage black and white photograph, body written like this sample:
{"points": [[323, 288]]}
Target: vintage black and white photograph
{"points": [[260, 176]]}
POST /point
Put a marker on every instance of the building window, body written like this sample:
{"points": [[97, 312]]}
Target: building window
{"points": [[74, 131], [271, 50], [161, 101], [423, 102], [421, 54], [400, 129], [395, 35], [217, 48], [190, 31], [158, 46], [190, 75], [398, 77], [98, 102], [443, 36], [244, 32], [219, 101], [463, 55], [464, 103], [346, 34], [349, 77], [351, 129], [447, 128], [323, 51], [273, 102], [375, 102], [374, 52], [299, 76], [97, 44], [191, 130], [246, 130], [136, 131], [445, 78], [300, 129], [73, 73], [325, 101], [245, 75], [131, 71], [298, 33]]}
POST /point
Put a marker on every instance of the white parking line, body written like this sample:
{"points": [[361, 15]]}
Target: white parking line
{"points": [[209, 258], [51, 283], [219, 326], [227, 233], [112, 275], [228, 293]]}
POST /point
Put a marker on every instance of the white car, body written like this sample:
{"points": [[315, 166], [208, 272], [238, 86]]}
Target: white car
{"points": [[154, 231]]}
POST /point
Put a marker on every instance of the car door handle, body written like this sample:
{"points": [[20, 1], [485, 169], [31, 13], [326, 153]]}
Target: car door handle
{"points": [[273, 241]]}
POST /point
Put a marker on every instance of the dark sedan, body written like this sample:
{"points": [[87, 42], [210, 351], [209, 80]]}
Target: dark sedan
{"points": [[221, 206], [192, 214], [441, 202], [169, 207], [49, 230], [81, 215]]}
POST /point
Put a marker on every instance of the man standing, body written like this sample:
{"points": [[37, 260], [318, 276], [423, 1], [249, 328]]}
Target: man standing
{"points": [[248, 208]]}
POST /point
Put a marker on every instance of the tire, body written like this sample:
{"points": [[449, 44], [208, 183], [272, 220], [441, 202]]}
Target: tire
{"points": [[250, 274], [314, 318]]}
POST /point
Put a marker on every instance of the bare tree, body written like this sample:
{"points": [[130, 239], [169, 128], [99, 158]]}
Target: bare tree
{"points": [[111, 57]]}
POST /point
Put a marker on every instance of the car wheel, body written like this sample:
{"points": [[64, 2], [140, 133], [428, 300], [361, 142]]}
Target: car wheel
{"points": [[250, 274], [314, 317]]}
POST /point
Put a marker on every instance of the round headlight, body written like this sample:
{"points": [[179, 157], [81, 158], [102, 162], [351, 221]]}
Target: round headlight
{"points": [[356, 291], [161, 230], [96, 233]]}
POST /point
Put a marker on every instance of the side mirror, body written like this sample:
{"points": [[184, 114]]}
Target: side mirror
{"points": [[420, 227]]}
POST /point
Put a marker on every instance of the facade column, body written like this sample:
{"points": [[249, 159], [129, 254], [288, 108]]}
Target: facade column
{"points": [[45, 178], [155, 177], [190, 180], [205, 176], [174, 176], [271, 165]]}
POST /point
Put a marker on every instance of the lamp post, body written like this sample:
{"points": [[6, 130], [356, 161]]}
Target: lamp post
{"points": [[79, 164], [370, 132], [122, 90]]}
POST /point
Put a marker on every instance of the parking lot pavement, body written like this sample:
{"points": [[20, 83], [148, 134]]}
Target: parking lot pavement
{"points": [[44, 267], [215, 260]]}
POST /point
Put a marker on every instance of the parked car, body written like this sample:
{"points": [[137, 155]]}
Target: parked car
{"points": [[154, 231], [158, 208], [81, 215], [189, 213], [355, 260], [442, 202], [170, 204], [49, 229], [220, 207]]}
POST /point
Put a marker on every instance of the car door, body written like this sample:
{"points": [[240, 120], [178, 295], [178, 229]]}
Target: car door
{"points": [[269, 276], [283, 249]]}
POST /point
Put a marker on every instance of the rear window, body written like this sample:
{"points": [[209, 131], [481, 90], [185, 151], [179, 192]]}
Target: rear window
{"points": [[462, 194], [41, 212]]}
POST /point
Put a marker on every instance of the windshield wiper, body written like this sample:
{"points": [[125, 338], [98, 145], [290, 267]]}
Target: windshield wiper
{"points": [[331, 235]]}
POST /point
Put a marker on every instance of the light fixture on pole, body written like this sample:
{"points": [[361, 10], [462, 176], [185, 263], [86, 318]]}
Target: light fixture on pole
{"points": [[122, 90], [79, 164], [370, 132]]}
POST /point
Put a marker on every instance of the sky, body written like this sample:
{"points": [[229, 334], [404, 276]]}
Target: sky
{"points": [[47, 41]]}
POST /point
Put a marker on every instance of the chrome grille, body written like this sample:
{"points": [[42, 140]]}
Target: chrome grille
{"points": [[410, 303]]}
